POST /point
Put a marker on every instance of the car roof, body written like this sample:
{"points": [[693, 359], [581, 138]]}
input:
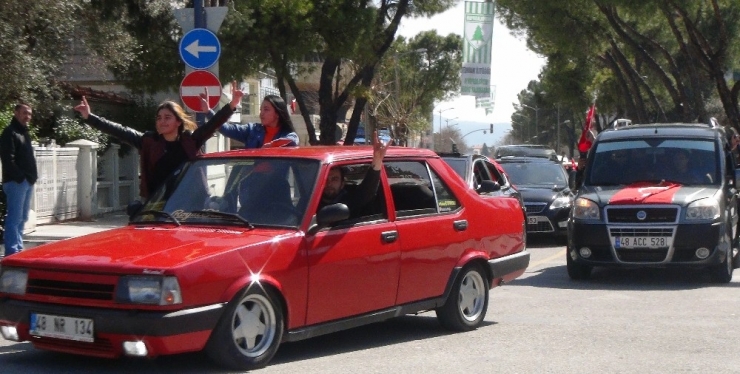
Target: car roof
{"points": [[326, 154], [692, 130]]}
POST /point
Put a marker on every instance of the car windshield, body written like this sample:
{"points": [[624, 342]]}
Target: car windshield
{"points": [[237, 191], [540, 174], [683, 161], [526, 151]]}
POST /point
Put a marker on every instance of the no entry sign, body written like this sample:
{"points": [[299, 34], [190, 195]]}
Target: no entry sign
{"points": [[196, 83]]}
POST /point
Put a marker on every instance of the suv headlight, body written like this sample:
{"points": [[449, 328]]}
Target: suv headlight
{"points": [[156, 290], [561, 202], [704, 209], [585, 209], [14, 281]]}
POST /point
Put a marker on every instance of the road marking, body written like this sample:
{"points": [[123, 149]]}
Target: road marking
{"points": [[540, 262]]}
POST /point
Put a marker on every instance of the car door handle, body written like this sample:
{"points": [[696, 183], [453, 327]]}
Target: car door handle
{"points": [[460, 225], [389, 236]]}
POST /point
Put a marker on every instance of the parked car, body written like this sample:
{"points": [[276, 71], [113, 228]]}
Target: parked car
{"points": [[481, 174], [656, 195], [545, 191], [231, 256], [525, 150]]}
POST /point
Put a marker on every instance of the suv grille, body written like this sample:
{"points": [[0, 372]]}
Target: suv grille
{"points": [[652, 215], [656, 231]]}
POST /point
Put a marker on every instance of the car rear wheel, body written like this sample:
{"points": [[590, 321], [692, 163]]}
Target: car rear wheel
{"points": [[249, 332], [467, 304], [577, 271]]}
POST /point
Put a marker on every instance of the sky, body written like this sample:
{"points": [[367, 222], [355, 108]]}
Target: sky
{"points": [[513, 66]]}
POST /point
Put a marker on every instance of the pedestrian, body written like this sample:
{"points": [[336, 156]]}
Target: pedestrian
{"points": [[274, 130], [176, 139], [19, 175]]}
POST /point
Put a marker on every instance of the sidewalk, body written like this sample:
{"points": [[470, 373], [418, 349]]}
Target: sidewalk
{"points": [[69, 229]]}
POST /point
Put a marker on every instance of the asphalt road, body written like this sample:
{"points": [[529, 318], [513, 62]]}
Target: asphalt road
{"points": [[620, 321]]}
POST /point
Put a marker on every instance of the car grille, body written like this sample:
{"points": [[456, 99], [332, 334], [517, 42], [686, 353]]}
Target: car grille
{"points": [[631, 231], [534, 207], [92, 287], [652, 214], [70, 289], [642, 254]]}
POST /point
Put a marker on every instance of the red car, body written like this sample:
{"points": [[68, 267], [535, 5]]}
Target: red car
{"points": [[231, 256]]}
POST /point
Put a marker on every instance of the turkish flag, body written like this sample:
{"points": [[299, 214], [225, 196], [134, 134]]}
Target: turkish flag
{"points": [[588, 134]]}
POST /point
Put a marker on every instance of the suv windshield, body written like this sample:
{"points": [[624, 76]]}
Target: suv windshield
{"points": [[683, 161]]}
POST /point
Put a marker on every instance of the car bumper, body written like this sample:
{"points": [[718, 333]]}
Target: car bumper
{"points": [[162, 332], [686, 240], [548, 222], [509, 267]]}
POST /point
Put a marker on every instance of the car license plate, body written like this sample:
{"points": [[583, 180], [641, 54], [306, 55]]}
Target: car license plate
{"points": [[642, 242], [532, 220], [61, 327]]}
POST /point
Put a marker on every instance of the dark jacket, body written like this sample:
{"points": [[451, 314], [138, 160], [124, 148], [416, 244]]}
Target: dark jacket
{"points": [[16, 153], [152, 146], [357, 199]]}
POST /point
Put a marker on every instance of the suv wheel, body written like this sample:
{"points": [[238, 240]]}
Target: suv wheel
{"points": [[722, 273], [577, 271]]}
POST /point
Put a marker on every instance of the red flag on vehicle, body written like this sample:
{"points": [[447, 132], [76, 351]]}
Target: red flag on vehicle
{"points": [[588, 135]]}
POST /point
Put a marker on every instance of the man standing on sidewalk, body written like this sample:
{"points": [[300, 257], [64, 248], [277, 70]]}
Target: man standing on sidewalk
{"points": [[19, 175]]}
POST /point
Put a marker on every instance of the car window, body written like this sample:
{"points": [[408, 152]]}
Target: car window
{"points": [[417, 190], [495, 174], [375, 209]]}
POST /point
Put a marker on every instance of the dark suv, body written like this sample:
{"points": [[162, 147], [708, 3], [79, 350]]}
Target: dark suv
{"points": [[654, 196]]}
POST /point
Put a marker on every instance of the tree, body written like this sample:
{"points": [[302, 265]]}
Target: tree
{"points": [[422, 71]]}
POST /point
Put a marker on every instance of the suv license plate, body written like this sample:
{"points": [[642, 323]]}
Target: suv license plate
{"points": [[642, 242], [61, 327]]}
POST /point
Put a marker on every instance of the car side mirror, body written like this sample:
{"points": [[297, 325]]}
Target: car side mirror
{"points": [[133, 208], [487, 186], [331, 214]]}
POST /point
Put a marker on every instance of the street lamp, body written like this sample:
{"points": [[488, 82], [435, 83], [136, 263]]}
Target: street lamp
{"points": [[447, 121], [536, 116], [440, 127]]}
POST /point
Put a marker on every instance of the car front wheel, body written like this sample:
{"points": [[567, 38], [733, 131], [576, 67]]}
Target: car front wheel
{"points": [[467, 304], [249, 332], [577, 271], [722, 273]]}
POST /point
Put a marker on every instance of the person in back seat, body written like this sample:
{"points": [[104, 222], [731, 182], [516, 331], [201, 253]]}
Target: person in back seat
{"points": [[334, 191]]}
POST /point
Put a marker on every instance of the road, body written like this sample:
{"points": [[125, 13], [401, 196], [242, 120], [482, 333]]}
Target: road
{"points": [[621, 321]]}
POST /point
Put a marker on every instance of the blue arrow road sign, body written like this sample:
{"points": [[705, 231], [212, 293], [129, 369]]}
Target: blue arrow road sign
{"points": [[200, 48]]}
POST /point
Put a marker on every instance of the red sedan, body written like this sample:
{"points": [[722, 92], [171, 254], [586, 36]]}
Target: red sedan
{"points": [[233, 256]]}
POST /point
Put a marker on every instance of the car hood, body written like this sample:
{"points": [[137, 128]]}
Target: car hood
{"points": [[149, 247], [532, 194], [647, 193]]}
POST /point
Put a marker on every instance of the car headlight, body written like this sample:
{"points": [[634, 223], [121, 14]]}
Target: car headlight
{"points": [[14, 281], [704, 209], [585, 209], [154, 290], [561, 202]]}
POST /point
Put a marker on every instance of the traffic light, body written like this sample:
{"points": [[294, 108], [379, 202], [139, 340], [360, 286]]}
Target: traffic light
{"points": [[491, 128]]}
